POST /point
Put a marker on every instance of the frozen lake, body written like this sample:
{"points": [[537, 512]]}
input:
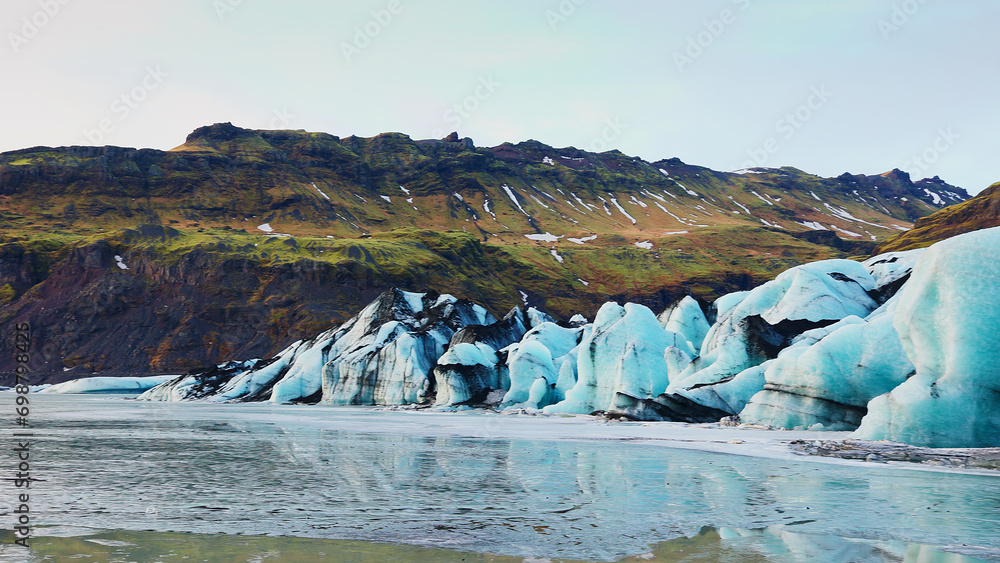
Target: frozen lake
{"points": [[542, 487]]}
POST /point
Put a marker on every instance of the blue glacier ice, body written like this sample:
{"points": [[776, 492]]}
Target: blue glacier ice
{"points": [[471, 371], [622, 357], [755, 326], [892, 267], [686, 318], [947, 320], [466, 373], [529, 363], [547, 351], [827, 384], [386, 353]]}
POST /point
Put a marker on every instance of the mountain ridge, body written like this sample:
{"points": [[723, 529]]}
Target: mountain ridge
{"points": [[251, 239]]}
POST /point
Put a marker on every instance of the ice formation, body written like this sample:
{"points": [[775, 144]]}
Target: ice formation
{"points": [[947, 319], [686, 318], [827, 384], [900, 345], [466, 373], [621, 360], [108, 384], [752, 328], [385, 355], [547, 351]]}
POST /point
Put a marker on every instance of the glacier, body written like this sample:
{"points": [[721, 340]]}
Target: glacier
{"points": [[896, 347]]}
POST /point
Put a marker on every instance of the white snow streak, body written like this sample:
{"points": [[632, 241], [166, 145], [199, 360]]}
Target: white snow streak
{"points": [[690, 193], [843, 214], [513, 198], [761, 198], [814, 225], [845, 231], [320, 191], [743, 207], [622, 209]]}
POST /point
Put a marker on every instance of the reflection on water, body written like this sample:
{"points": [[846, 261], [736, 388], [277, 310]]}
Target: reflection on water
{"points": [[229, 469], [709, 545]]}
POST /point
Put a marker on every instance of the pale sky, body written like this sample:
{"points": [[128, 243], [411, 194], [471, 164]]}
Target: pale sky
{"points": [[827, 86]]}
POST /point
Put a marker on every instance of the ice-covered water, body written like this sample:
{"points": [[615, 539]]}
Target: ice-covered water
{"points": [[521, 486]]}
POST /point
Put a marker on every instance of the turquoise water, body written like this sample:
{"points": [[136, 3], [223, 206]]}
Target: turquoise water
{"points": [[391, 479]]}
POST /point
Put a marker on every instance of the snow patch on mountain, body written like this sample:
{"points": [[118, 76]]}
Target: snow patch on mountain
{"points": [[936, 199], [816, 226], [547, 237], [513, 198], [320, 191]]}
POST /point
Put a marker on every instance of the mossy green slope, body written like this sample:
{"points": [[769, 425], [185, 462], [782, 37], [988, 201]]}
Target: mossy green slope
{"points": [[980, 212], [239, 241]]}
